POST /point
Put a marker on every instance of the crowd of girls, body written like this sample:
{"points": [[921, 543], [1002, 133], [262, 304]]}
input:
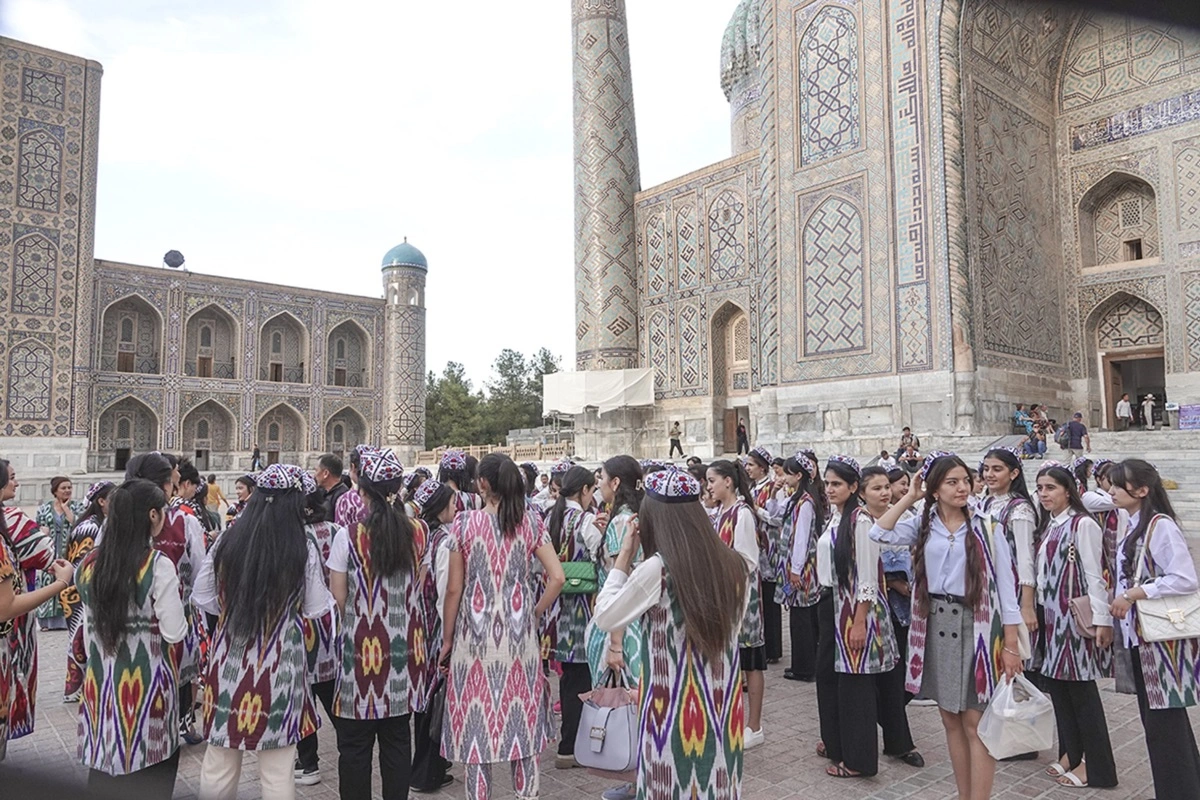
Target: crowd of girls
{"points": [[417, 615]]}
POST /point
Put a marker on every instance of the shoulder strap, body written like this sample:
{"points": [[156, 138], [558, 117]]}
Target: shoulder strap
{"points": [[1141, 570]]}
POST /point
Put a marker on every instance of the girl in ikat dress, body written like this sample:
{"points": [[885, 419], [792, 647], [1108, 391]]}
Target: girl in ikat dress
{"points": [[965, 613], [1153, 561], [262, 578], [454, 471], [373, 571], [768, 508], [1010, 508], [798, 588], [82, 541], [1068, 566], [737, 526], [690, 593], [497, 699], [1114, 521], [57, 517], [132, 614]]}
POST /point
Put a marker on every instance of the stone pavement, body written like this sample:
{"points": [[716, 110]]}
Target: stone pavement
{"points": [[785, 767]]}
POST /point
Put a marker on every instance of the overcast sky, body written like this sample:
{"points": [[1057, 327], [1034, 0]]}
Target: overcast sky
{"points": [[278, 141]]}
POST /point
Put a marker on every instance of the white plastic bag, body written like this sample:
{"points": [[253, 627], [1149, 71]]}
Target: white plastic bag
{"points": [[1019, 719]]}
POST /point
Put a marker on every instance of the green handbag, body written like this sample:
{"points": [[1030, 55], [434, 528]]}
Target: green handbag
{"points": [[581, 577]]}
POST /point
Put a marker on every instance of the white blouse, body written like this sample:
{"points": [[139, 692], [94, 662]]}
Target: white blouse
{"points": [[1089, 546], [745, 537], [801, 534], [825, 569], [317, 599], [1022, 523], [946, 561], [625, 598], [1168, 548]]}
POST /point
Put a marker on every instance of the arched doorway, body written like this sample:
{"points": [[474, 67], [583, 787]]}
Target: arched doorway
{"points": [[281, 435], [1129, 339], [208, 431], [344, 431], [126, 428], [730, 375]]}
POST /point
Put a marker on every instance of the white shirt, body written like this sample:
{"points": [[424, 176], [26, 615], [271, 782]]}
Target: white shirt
{"points": [[1022, 523], [165, 599], [587, 528], [946, 561], [745, 537], [800, 534], [825, 570], [1089, 545], [887, 462], [317, 599], [1124, 409], [624, 598], [1169, 550]]}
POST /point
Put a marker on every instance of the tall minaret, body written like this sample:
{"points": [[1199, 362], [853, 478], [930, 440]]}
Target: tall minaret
{"points": [[404, 271], [606, 178]]}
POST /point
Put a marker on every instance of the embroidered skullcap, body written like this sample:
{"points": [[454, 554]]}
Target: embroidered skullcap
{"points": [[95, 489], [849, 461], [454, 460], [307, 483], [425, 492], [1078, 462], [931, 459], [672, 485], [380, 465], [562, 466], [1015, 452], [1050, 463], [529, 466], [806, 462], [762, 453], [281, 478], [654, 465], [1098, 463]]}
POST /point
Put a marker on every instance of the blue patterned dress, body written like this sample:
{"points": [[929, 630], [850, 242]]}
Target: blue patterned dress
{"points": [[596, 639]]}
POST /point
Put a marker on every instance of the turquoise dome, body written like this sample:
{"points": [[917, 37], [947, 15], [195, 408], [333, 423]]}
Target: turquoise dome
{"points": [[739, 46], [405, 255]]}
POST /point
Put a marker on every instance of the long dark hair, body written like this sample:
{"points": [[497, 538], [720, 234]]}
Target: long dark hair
{"points": [[574, 481], [976, 582], [506, 484], [736, 473], [806, 485], [707, 578], [314, 508], [459, 477], [629, 492], [4, 466], [154, 467], [390, 528], [259, 563], [843, 548], [1066, 480], [119, 558], [1136, 473], [435, 505], [1018, 486], [531, 475], [1083, 471], [94, 509]]}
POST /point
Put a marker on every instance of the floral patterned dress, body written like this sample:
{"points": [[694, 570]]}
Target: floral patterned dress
{"points": [[596, 640], [59, 530], [129, 710], [497, 700], [33, 553], [809, 591], [11, 575], [83, 541]]}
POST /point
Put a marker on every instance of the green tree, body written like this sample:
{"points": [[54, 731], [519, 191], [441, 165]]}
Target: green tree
{"points": [[453, 413], [508, 403], [543, 363]]}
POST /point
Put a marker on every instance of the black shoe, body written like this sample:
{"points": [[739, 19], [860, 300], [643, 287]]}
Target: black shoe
{"points": [[791, 676], [912, 758]]}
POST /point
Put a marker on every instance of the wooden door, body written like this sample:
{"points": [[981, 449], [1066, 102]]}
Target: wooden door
{"points": [[731, 419], [1115, 389], [204, 367]]}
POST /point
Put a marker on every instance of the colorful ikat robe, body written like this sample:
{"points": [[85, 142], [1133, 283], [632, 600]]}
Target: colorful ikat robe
{"points": [[320, 635], [439, 540], [1066, 656], [595, 640], [59, 531], [753, 632], [33, 553], [572, 612], [809, 591], [10, 575], [881, 651]]}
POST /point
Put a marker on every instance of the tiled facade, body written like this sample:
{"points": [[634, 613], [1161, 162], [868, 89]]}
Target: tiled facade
{"points": [[106, 359], [953, 206]]}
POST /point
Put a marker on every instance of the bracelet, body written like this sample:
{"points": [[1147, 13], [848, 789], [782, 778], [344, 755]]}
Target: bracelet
{"points": [[616, 650], [1126, 598], [1011, 653]]}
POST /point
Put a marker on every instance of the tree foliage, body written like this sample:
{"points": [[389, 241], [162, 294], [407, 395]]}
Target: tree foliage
{"points": [[456, 415]]}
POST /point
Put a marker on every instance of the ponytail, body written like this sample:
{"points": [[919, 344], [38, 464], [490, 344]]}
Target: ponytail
{"points": [[390, 528], [574, 481]]}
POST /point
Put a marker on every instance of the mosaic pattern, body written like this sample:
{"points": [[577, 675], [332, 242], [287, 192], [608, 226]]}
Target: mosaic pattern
{"points": [[1110, 55], [660, 350], [1191, 307], [30, 381], [209, 426], [690, 370], [43, 88], [345, 430], [766, 205], [1187, 187], [656, 254], [281, 429], [211, 333], [349, 349], [1131, 323], [1098, 295], [282, 342], [829, 86], [1020, 42], [39, 171], [1144, 119], [1128, 212], [131, 335], [128, 424], [834, 300], [726, 236], [687, 247], [406, 357], [35, 275]]}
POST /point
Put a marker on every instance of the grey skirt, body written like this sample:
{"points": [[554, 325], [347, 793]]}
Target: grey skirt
{"points": [[948, 677]]}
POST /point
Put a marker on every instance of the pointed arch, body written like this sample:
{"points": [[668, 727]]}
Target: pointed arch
{"points": [[140, 353], [348, 355], [289, 363], [211, 337], [128, 424], [350, 424], [35, 275], [39, 169], [220, 425], [1118, 220], [288, 427], [30, 380]]}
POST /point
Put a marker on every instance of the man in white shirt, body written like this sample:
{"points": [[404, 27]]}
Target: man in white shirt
{"points": [[1124, 413], [886, 461], [1148, 412]]}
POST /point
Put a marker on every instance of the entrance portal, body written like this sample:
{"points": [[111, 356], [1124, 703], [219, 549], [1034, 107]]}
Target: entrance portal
{"points": [[1138, 375]]}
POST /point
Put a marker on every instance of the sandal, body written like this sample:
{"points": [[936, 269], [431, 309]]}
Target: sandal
{"points": [[840, 771], [1056, 770], [821, 750], [1072, 780]]}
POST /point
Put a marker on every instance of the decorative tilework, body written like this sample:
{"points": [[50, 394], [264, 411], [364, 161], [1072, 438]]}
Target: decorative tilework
{"points": [[1126, 211], [43, 88], [766, 203], [829, 86], [1191, 307], [1130, 323], [127, 424], [1187, 187], [657, 280], [660, 349], [35, 275], [1111, 55], [1147, 118], [690, 372], [1098, 295], [352, 427], [29, 381], [1020, 42], [687, 247], [834, 300], [209, 426], [39, 170], [1189, 249], [726, 236]]}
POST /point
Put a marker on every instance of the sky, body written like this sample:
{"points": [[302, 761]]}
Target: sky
{"points": [[279, 141]]}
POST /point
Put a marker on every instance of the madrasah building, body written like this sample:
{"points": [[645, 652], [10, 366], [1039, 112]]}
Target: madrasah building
{"points": [[931, 211]]}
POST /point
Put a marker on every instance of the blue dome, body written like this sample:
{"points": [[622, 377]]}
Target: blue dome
{"points": [[405, 255]]}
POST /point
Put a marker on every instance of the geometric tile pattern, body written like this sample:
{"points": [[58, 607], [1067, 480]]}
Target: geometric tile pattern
{"points": [[687, 247], [1021, 42], [1187, 187], [209, 426], [282, 342], [656, 254], [349, 348], [690, 371], [767, 258], [1128, 212], [128, 423], [727, 236], [1191, 307], [1111, 55], [43, 88], [29, 381], [131, 325], [35, 275], [211, 333], [834, 300], [1130, 323], [660, 350], [40, 166], [828, 69], [282, 429]]}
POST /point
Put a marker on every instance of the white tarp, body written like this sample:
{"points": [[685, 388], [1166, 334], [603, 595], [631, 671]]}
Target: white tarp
{"points": [[572, 392]]}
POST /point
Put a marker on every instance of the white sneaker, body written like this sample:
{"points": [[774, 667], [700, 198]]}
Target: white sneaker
{"points": [[308, 777], [752, 738], [920, 701]]}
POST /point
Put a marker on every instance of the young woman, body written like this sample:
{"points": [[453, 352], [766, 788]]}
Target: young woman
{"points": [[243, 487], [373, 576], [213, 500], [965, 611], [575, 537], [33, 553], [799, 590], [1113, 521], [737, 526], [769, 524], [436, 502], [411, 484], [1081, 469], [454, 471], [18, 600], [261, 579], [1010, 509], [57, 517], [350, 509], [690, 593], [497, 701], [320, 635], [1153, 561], [1069, 556], [82, 541], [192, 493], [133, 613]]}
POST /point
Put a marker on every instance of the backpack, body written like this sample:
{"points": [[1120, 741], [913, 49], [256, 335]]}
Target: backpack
{"points": [[1062, 438]]}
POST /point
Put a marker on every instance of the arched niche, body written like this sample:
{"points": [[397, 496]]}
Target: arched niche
{"points": [[131, 337], [348, 356], [211, 344], [1118, 221], [208, 436], [281, 435], [283, 350], [344, 430], [125, 428]]}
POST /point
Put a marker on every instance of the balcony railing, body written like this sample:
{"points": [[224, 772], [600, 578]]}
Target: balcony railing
{"points": [[551, 451]]}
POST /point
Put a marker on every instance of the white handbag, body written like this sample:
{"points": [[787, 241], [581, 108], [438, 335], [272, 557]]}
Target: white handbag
{"points": [[608, 727], [1165, 619]]}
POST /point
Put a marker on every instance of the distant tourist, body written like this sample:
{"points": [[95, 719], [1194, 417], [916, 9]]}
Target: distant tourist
{"points": [[911, 459], [674, 435], [1124, 413], [213, 502], [256, 460], [1148, 412], [329, 479], [1077, 436], [743, 438], [886, 461], [907, 437], [1021, 418], [56, 517]]}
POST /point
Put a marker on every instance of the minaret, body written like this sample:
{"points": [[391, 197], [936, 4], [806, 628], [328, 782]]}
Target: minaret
{"points": [[606, 178], [404, 271]]}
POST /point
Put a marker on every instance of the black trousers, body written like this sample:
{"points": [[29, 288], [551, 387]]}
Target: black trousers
{"points": [[743, 442], [576, 679], [1174, 760], [356, 746], [675, 445], [306, 749], [802, 623], [846, 703], [892, 699], [827, 680], [152, 783], [428, 767], [772, 621], [1082, 729]]}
